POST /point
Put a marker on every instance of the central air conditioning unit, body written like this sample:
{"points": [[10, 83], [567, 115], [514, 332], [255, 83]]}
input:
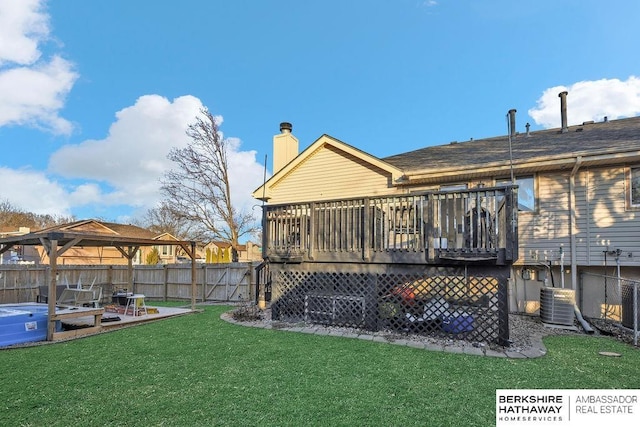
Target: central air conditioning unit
{"points": [[557, 306]]}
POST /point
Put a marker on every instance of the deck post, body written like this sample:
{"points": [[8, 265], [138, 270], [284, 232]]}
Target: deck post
{"points": [[312, 231], [193, 275], [431, 252], [503, 310], [265, 232], [511, 223], [366, 229], [51, 300], [130, 269]]}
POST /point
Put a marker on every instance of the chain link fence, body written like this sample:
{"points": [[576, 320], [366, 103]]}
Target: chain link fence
{"points": [[612, 299]]}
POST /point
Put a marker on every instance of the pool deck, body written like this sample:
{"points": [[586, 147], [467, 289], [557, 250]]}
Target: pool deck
{"points": [[112, 320], [82, 321]]}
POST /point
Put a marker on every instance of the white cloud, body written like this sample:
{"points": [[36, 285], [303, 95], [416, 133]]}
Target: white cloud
{"points": [[130, 161], [34, 96], [23, 25], [245, 174], [33, 88], [589, 100], [33, 191]]}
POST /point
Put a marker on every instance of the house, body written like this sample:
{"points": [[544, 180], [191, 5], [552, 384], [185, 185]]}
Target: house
{"points": [[216, 252], [20, 255], [167, 253], [578, 199]]}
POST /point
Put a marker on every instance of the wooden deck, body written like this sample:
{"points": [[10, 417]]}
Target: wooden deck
{"points": [[433, 228], [83, 323]]}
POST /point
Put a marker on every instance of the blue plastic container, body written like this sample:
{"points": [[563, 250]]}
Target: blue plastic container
{"points": [[22, 323], [457, 323]]}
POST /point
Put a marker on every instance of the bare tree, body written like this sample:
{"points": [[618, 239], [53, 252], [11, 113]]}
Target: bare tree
{"points": [[164, 220], [199, 189], [13, 216]]}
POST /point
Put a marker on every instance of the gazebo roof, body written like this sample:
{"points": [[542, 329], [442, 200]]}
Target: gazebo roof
{"points": [[90, 233]]}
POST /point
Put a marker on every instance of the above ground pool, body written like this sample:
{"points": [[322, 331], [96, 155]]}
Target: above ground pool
{"points": [[22, 323]]}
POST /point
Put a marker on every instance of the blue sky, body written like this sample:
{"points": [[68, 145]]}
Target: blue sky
{"points": [[93, 94]]}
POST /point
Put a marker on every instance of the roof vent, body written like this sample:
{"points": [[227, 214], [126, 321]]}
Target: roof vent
{"points": [[512, 122], [563, 110], [286, 127], [589, 122]]}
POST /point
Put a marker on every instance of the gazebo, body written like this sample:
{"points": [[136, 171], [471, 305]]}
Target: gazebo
{"points": [[57, 240]]}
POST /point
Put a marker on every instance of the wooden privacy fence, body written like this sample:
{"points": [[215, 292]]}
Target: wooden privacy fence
{"points": [[232, 282]]}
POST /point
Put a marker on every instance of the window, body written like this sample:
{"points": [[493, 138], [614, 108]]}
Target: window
{"points": [[453, 187], [526, 192], [167, 250], [137, 258], [634, 187]]}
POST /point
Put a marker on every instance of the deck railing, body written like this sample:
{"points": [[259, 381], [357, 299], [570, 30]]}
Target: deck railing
{"points": [[433, 227]]}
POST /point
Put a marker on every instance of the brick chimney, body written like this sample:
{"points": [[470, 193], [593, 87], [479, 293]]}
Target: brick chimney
{"points": [[285, 147]]}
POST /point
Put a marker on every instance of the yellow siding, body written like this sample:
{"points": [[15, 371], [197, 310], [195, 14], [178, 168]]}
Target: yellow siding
{"points": [[91, 227], [330, 173], [86, 256]]}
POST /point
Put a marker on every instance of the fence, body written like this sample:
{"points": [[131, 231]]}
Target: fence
{"points": [[610, 298], [233, 282], [449, 303]]}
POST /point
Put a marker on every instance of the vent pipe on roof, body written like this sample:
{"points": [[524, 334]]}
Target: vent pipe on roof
{"points": [[563, 110], [527, 126], [286, 127], [285, 147], [512, 122]]}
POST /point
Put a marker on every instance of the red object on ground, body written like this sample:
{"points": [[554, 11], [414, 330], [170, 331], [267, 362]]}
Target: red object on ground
{"points": [[406, 294]]}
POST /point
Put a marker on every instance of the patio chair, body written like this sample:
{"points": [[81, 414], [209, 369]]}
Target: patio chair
{"points": [[97, 296], [81, 297], [43, 293]]}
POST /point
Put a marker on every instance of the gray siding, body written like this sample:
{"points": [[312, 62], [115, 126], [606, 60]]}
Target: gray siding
{"points": [[602, 220], [544, 232], [605, 220]]}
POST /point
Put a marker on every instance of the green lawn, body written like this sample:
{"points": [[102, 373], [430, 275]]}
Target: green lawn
{"points": [[199, 370]]}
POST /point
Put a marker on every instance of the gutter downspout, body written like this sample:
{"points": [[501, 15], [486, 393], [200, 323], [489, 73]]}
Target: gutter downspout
{"points": [[572, 223], [574, 258]]}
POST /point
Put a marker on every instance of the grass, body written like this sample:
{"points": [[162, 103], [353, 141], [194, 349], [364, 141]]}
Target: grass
{"points": [[198, 370]]}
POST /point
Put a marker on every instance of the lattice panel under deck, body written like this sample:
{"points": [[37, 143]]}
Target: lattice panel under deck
{"points": [[458, 307]]}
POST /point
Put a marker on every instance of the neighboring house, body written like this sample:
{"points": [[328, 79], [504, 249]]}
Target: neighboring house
{"points": [[578, 202], [169, 254], [216, 252], [20, 255], [107, 255]]}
